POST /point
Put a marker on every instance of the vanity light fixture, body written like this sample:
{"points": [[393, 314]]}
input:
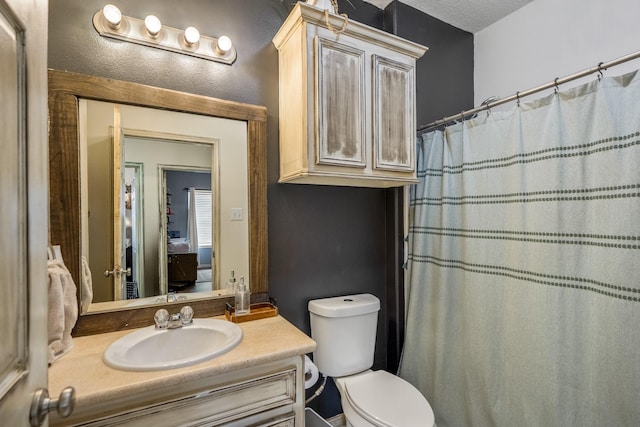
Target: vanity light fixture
{"points": [[110, 22]]}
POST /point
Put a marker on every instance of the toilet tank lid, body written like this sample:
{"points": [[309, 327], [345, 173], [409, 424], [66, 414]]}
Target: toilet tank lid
{"points": [[345, 306]]}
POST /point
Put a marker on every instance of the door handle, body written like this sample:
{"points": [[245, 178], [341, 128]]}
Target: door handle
{"points": [[108, 273], [41, 404]]}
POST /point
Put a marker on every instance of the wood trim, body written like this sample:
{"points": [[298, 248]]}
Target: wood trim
{"points": [[124, 319], [122, 92], [64, 179], [258, 226], [65, 88]]}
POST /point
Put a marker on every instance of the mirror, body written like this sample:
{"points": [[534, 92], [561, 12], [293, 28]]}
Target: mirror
{"points": [[142, 230], [66, 198]]}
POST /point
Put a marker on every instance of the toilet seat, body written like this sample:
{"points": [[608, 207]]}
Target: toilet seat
{"points": [[386, 400]]}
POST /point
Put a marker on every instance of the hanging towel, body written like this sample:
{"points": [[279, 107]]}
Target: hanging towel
{"points": [[86, 294], [63, 309]]}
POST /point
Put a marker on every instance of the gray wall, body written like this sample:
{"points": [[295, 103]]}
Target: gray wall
{"points": [[177, 181], [323, 241], [445, 72]]}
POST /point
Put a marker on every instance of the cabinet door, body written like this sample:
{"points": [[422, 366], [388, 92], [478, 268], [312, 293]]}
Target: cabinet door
{"points": [[394, 116], [340, 104]]}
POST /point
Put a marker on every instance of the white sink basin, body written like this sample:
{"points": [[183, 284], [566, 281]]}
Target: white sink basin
{"points": [[151, 349]]}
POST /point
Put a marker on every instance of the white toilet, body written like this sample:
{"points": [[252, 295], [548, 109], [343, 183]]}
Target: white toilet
{"points": [[344, 329]]}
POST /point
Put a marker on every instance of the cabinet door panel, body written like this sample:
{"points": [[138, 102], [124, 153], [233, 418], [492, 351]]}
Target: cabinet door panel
{"points": [[340, 128], [394, 117]]}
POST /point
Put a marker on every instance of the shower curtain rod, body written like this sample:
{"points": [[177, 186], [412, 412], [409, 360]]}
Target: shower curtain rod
{"points": [[488, 105]]}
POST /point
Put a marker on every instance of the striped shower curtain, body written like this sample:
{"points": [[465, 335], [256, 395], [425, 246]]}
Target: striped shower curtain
{"points": [[524, 263]]}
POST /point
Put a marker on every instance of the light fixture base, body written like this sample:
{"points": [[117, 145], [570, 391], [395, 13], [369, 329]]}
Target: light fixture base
{"points": [[171, 39]]}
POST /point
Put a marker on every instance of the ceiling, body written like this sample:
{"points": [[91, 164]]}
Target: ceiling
{"points": [[468, 15]]}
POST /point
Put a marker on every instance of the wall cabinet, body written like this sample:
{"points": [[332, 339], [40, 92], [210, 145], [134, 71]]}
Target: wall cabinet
{"points": [[347, 102]]}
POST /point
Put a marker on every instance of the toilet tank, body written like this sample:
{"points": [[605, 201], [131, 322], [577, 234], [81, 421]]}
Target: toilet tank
{"points": [[344, 329]]}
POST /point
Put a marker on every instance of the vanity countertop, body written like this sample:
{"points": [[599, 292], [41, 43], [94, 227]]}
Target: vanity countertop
{"points": [[265, 340]]}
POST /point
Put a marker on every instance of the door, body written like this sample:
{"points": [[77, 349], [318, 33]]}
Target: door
{"points": [[119, 271], [23, 206], [105, 196]]}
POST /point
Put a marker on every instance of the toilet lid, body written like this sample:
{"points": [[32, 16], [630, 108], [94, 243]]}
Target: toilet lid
{"points": [[388, 401]]}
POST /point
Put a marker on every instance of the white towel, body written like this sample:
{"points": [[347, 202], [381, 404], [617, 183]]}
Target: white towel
{"points": [[63, 309], [86, 294]]}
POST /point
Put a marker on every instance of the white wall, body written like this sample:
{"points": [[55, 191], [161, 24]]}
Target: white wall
{"points": [[554, 38]]}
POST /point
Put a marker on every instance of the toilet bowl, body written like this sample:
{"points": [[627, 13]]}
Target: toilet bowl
{"points": [[381, 399], [344, 329]]}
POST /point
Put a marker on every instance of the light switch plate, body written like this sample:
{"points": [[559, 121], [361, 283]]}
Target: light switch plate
{"points": [[237, 214]]}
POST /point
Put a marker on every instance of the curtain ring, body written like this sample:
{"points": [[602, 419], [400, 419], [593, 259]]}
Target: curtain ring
{"points": [[555, 83], [600, 71], [487, 104], [518, 98]]}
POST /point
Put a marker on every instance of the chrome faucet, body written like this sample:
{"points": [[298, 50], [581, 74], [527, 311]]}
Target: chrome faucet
{"points": [[177, 320], [171, 296]]}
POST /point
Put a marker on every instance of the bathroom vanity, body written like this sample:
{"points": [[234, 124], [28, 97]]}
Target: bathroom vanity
{"points": [[258, 383]]}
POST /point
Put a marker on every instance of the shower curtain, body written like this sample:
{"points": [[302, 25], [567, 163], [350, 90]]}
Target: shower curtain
{"points": [[524, 263]]}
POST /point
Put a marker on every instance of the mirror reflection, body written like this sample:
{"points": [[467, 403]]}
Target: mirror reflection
{"points": [[190, 235], [167, 197]]}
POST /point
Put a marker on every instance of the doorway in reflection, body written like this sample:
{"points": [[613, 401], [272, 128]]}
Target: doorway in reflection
{"points": [[133, 226], [189, 229]]}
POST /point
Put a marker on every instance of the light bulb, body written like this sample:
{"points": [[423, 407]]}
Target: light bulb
{"points": [[224, 45], [191, 35], [113, 15], [153, 25]]}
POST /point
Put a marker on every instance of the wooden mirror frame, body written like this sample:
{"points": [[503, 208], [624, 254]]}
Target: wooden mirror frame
{"points": [[65, 89]]}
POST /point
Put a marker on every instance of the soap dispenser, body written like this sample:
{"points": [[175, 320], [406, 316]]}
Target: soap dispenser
{"points": [[243, 306]]}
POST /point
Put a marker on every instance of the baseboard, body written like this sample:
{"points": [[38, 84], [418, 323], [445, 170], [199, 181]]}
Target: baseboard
{"points": [[337, 421]]}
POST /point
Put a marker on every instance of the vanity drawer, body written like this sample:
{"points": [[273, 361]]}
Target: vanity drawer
{"points": [[265, 400]]}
